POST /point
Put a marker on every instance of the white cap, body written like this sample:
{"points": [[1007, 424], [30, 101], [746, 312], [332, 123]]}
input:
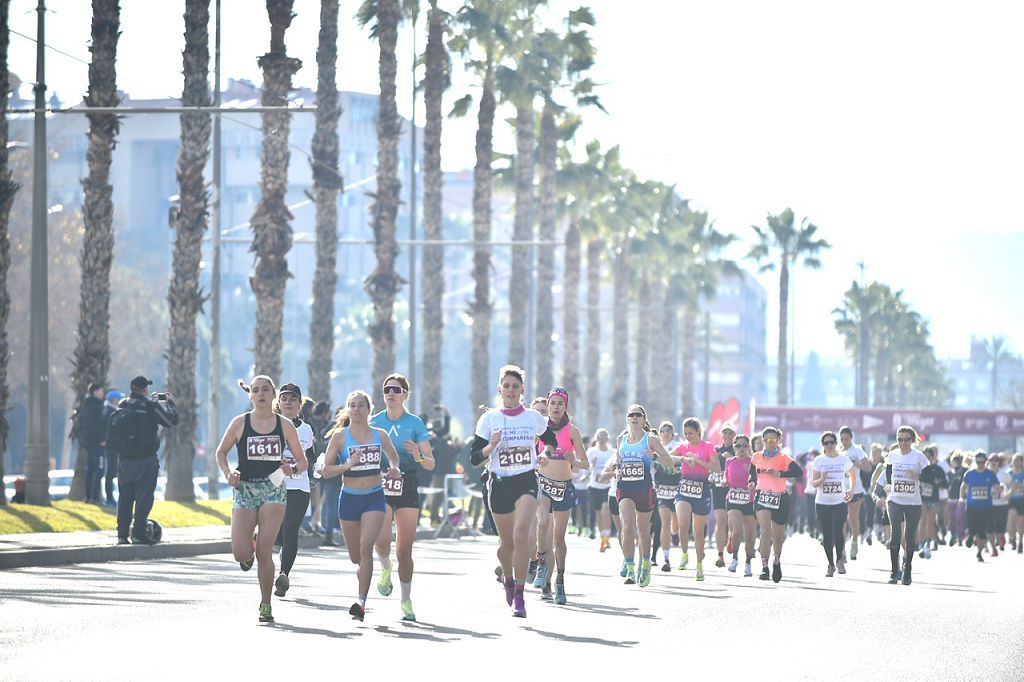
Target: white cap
{"points": [[728, 426]]}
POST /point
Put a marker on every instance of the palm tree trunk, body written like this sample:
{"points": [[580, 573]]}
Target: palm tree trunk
{"points": [[546, 255], [688, 373], [384, 282], [661, 352], [571, 310], [620, 330], [272, 232], [92, 351], [8, 188], [327, 182], [782, 394], [184, 298], [643, 343], [522, 230], [435, 82], [480, 307], [593, 362], [863, 359]]}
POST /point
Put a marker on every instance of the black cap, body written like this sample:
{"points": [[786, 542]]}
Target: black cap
{"points": [[140, 382], [290, 388], [94, 386]]}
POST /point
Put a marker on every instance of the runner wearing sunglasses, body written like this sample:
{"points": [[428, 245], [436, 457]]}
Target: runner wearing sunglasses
{"points": [[740, 505], [772, 467]]}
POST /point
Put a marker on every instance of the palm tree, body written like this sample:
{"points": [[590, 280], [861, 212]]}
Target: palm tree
{"points": [[327, 182], [483, 26], [783, 244], [854, 320], [272, 232], [184, 298], [996, 353], [384, 282], [92, 350], [436, 80], [8, 188]]}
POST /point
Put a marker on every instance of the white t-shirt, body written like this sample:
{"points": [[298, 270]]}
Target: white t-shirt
{"points": [[581, 479], [516, 453], [598, 461], [299, 481], [831, 489], [856, 454], [905, 490], [1001, 498]]}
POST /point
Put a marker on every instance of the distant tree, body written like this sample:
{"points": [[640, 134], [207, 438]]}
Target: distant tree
{"points": [[996, 353]]}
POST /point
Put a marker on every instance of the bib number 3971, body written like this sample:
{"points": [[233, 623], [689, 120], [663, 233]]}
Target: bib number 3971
{"points": [[769, 499]]}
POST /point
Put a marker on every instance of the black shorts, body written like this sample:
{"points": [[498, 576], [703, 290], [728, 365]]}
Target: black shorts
{"points": [[1000, 515], [598, 496], [857, 498], [979, 521], [613, 505], [747, 509], [1017, 505], [503, 493], [718, 498], [410, 497], [667, 504], [780, 515]]}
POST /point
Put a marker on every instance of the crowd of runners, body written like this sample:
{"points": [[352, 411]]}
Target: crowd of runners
{"points": [[641, 491]]}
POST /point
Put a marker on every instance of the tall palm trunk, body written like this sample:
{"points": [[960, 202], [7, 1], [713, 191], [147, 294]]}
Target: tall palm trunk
{"points": [[661, 351], [272, 232], [643, 344], [546, 255], [571, 311], [595, 247], [327, 182], [184, 298], [480, 307], [384, 282], [782, 395], [522, 230], [688, 397], [8, 188], [863, 357], [435, 82], [620, 331], [92, 351]]}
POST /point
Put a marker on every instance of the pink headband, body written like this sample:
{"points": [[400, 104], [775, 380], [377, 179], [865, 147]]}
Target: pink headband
{"points": [[560, 392]]}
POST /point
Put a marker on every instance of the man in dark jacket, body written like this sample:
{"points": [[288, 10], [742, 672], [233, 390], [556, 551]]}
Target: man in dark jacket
{"points": [[91, 440], [138, 465], [113, 398]]}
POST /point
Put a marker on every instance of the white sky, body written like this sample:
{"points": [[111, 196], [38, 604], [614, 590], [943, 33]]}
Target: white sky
{"points": [[897, 127]]}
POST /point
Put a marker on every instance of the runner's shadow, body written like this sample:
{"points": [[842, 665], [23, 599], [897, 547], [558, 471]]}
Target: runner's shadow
{"points": [[285, 627], [583, 640], [405, 634], [444, 630], [603, 610], [314, 605], [687, 592]]}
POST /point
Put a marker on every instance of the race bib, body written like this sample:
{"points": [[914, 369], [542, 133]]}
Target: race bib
{"points": [[901, 487], [553, 489], [514, 458], [769, 499], [927, 490], [263, 448], [738, 496], [393, 487], [717, 479], [979, 492], [632, 471], [665, 492], [832, 488], [997, 492], [691, 489], [370, 456]]}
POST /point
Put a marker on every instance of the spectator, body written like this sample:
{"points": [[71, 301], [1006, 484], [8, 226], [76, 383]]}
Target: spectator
{"points": [[133, 434], [330, 488], [92, 438], [444, 458], [113, 398]]}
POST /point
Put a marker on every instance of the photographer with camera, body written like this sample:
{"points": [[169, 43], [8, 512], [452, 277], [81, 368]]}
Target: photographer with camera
{"points": [[133, 435]]}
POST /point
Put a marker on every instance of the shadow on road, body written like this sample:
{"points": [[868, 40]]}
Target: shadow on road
{"points": [[278, 625], [604, 610], [583, 640], [445, 630]]}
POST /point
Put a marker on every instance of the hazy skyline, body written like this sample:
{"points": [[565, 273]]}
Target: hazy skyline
{"points": [[894, 127]]}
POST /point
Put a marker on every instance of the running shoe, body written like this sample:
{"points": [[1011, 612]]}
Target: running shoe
{"points": [[560, 593], [1020, 548], [700, 572], [542, 575], [733, 564], [927, 551], [531, 571], [747, 570], [853, 551], [281, 585], [906, 574], [498, 573], [605, 543], [1002, 542], [630, 576], [980, 560], [266, 616], [357, 611], [519, 606], [675, 539], [510, 590], [384, 585], [684, 561], [721, 562], [666, 567], [831, 571], [765, 574], [841, 567], [921, 553], [124, 541], [624, 569], [644, 574], [407, 612], [545, 592], [869, 539], [895, 577], [995, 552], [777, 572], [246, 565], [970, 541]]}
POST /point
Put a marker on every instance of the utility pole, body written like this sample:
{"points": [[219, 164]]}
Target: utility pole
{"points": [[213, 392], [412, 231], [37, 455]]}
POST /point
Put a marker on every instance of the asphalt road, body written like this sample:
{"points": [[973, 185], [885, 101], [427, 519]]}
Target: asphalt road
{"points": [[197, 619]]}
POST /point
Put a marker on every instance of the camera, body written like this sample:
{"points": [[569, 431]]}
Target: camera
{"points": [[159, 396]]}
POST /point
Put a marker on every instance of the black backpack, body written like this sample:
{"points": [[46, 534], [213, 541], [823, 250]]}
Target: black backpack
{"points": [[126, 433]]}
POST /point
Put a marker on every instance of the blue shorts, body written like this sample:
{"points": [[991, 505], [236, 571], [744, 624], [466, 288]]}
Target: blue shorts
{"points": [[352, 506], [701, 506]]}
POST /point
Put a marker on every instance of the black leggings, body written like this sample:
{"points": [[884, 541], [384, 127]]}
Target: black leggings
{"points": [[294, 512], [900, 514], [831, 518], [655, 532]]}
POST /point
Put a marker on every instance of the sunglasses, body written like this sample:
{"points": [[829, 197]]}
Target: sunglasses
{"points": [[828, 442], [904, 440], [635, 414], [393, 389]]}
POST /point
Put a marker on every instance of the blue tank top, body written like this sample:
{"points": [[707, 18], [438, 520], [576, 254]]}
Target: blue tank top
{"points": [[634, 464], [1018, 479], [373, 453]]}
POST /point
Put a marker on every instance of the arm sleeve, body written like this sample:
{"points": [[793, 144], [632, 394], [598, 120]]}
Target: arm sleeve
{"points": [[549, 438], [794, 471], [167, 416], [476, 451], [752, 471]]}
